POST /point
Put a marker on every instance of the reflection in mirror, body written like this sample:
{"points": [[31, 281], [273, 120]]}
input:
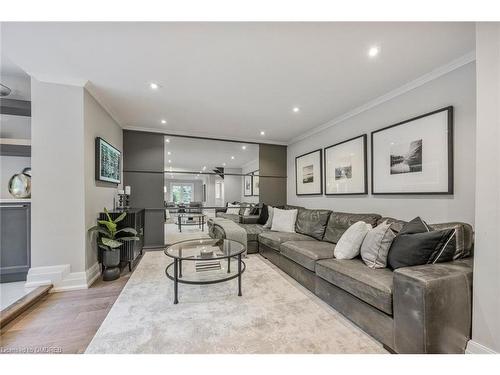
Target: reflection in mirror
{"points": [[210, 171], [201, 177]]}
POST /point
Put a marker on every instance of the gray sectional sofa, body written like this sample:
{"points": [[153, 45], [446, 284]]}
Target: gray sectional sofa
{"points": [[420, 309]]}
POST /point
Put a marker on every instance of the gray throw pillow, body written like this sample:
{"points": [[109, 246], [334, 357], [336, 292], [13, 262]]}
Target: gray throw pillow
{"points": [[376, 245]]}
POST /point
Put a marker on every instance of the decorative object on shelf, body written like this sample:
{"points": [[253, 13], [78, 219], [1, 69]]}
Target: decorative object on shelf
{"points": [[345, 167], [255, 183], [309, 173], [107, 162], [20, 184], [414, 156], [4, 90], [110, 239], [247, 182], [124, 198]]}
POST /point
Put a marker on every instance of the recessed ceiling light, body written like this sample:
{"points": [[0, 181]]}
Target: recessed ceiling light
{"points": [[373, 51], [204, 168], [169, 153], [154, 86], [244, 147], [262, 132], [167, 140], [170, 161], [232, 157], [296, 109], [163, 121]]}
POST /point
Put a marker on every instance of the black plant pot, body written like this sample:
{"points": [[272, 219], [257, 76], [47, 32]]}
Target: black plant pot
{"points": [[111, 262]]}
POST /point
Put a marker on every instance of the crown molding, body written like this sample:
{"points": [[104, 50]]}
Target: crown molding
{"points": [[432, 75], [203, 135]]}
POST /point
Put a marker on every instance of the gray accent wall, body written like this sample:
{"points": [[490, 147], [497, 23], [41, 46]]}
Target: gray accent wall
{"points": [[272, 169], [456, 88], [143, 156]]}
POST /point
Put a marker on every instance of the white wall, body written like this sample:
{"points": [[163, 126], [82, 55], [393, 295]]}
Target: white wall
{"points": [[97, 123], [486, 302], [232, 185], [58, 190], [65, 196], [456, 88], [248, 168]]}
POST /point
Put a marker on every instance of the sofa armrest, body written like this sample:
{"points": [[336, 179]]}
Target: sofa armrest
{"points": [[249, 219], [432, 307]]}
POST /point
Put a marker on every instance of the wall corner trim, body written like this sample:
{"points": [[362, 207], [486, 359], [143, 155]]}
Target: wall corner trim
{"points": [[476, 348], [61, 277], [432, 75]]}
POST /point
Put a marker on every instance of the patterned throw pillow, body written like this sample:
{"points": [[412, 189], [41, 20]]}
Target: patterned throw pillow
{"points": [[376, 245]]}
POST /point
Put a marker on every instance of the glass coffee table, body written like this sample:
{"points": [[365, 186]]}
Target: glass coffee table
{"points": [[205, 261], [186, 218]]}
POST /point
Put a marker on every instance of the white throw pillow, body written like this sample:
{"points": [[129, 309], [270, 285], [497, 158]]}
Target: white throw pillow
{"points": [[284, 220], [376, 245], [349, 244], [269, 221], [233, 211]]}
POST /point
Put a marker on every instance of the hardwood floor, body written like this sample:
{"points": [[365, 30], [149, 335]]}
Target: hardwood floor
{"points": [[62, 322]]}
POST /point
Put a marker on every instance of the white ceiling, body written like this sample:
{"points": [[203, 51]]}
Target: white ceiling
{"points": [[193, 154], [231, 80]]}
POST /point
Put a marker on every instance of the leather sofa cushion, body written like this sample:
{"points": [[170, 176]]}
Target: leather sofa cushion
{"points": [[340, 221], [373, 286], [253, 231], [275, 239], [233, 217], [312, 222], [307, 253]]}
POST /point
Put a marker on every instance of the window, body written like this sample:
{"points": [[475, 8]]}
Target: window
{"points": [[218, 189], [181, 193]]}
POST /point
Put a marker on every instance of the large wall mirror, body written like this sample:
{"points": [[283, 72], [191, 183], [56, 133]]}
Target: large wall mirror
{"points": [[210, 172]]}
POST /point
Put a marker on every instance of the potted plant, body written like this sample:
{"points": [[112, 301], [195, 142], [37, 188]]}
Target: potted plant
{"points": [[110, 239]]}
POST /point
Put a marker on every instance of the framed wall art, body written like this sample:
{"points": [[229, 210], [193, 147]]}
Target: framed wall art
{"points": [[107, 162], [247, 185], [414, 156], [309, 173], [255, 183], [346, 167]]}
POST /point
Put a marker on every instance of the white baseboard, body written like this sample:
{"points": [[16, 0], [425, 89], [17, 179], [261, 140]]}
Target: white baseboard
{"points": [[61, 277], [476, 348]]}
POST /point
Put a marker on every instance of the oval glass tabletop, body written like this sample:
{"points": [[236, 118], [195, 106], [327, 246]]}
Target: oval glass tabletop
{"points": [[205, 249]]}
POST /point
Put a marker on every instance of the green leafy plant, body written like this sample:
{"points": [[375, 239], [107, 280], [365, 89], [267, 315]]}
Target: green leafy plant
{"points": [[109, 237]]}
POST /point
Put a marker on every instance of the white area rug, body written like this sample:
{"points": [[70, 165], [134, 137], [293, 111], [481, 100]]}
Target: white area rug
{"points": [[274, 315]]}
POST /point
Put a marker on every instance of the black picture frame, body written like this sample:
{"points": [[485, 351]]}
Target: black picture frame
{"points": [[320, 192], [450, 189], [98, 142], [245, 183], [365, 164]]}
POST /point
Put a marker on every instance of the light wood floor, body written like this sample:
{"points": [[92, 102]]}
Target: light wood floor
{"points": [[62, 322]]}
